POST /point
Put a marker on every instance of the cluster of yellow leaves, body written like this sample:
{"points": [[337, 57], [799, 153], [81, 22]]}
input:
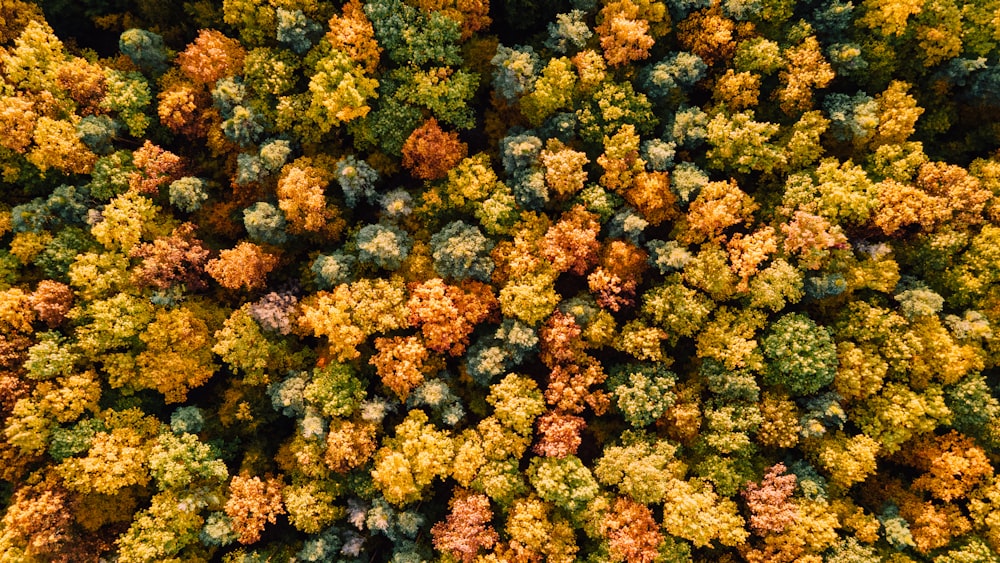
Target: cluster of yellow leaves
{"points": [[301, 197], [407, 463], [178, 354], [350, 313], [118, 457], [353, 34], [719, 205], [806, 71], [537, 533], [620, 160], [623, 33], [554, 90], [564, 168], [349, 445]]}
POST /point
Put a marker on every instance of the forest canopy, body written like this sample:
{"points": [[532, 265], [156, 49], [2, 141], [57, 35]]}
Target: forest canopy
{"points": [[512, 282]]}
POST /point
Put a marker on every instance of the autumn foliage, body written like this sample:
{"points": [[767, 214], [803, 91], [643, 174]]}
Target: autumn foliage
{"points": [[430, 152], [521, 281]]}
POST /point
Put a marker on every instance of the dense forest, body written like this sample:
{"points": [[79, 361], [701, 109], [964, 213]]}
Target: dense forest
{"points": [[511, 282]]}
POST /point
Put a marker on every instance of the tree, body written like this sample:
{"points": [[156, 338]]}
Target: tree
{"points": [[19, 119], [806, 70], [301, 198], [38, 524], [848, 459], [177, 259], [57, 145], [560, 434], [770, 509], [904, 205], [118, 456], [611, 107], [338, 93], [708, 34], [350, 313], [801, 354], [357, 178], [811, 238], [414, 36], [252, 504], [620, 159], [269, 71], [571, 243], [51, 302], [155, 167], [538, 532], [898, 113], [737, 90], [145, 48], [177, 357], [106, 324], [169, 528], [739, 143], [429, 152], [515, 71], [401, 363], [633, 534], [442, 90], [296, 30], [265, 223], [385, 246], [639, 468], [352, 33], [719, 206], [124, 221], [182, 461], [448, 314], [678, 309], [188, 193], [409, 462], [563, 481], [953, 465], [884, 418], [349, 445], [242, 345], [711, 518], [16, 16], [642, 393], [329, 314], [963, 192], [128, 96], [211, 56], [674, 75], [466, 530], [32, 62], [552, 91], [564, 168], [623, 33], [460, 251], [245, 266], [517, 402]]}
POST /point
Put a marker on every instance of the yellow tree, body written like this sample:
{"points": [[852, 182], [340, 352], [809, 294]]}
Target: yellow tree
{"points": [[806, 70], [178, 355], [623, 33]]}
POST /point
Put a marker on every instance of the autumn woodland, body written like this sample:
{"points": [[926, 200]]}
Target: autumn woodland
{"points": [[521, 281]]}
